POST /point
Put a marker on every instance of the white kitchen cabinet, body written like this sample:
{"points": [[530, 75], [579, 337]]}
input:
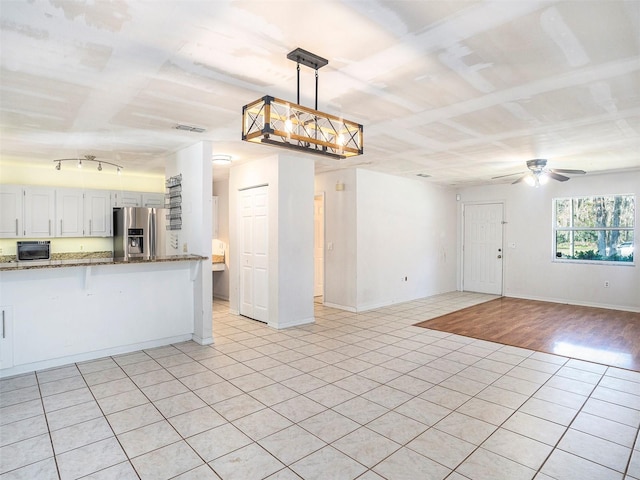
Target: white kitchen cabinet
{"points": [[11, 224], [121, 198], [151, 199], [214, 217], [126, 199], [39, 212], [98, 216], [6, 337], [69, 212]]}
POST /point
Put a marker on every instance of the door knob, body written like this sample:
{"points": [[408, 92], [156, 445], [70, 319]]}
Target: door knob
{"points": [[499, 256]]}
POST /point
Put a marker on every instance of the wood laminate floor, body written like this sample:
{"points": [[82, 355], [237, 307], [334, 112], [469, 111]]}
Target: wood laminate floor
{"points": [[610, 337]]}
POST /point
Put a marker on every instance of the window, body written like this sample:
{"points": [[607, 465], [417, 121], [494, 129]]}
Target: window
{"points": [[599, 228]]}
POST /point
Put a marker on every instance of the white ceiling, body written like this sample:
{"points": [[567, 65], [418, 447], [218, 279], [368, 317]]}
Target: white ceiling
{"points": [[459, 90]]}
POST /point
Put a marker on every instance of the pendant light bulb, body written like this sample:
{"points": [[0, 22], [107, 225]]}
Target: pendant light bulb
{"points": [[99, 166], [59, 166], [119, 171], [79, 163]]}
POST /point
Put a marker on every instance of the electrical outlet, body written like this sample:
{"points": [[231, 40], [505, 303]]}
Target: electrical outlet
{"points": [[185, 249], [0, 251], [81, 247], [606, 284]]}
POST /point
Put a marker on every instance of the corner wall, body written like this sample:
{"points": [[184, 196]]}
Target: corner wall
{"points": [[380, 229], [529, 269]]}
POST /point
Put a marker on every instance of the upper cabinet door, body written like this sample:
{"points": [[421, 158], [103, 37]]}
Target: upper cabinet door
{"points": [[126, 199], [39, 212], [11, 211], [70, 212], [153, 200], [97, 213]]}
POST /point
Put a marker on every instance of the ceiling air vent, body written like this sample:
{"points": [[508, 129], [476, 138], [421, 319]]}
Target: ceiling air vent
{"points": [[423, 175], [190, 128]]}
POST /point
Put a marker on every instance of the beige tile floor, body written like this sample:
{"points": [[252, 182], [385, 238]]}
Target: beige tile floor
{"points": [[364, 396]]}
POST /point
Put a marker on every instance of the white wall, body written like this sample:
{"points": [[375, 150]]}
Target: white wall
{"points": [[529, 269], [384, 228], [406, 229], [290, 242]]}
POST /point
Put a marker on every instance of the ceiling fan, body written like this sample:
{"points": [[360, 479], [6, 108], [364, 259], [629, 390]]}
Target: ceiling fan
{"points": [[539, 173]]}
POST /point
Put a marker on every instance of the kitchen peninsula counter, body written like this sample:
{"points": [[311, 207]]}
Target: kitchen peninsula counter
{"points": [[74, 308]]}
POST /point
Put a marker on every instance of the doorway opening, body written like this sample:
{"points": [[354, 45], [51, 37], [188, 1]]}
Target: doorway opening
{"points": [[318, 247]]}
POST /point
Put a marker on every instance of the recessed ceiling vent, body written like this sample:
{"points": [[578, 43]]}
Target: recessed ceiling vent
{"points": [[423, 175], [190, 128]]}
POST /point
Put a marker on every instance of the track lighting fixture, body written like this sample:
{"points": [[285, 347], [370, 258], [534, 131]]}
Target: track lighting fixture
{"points": [[87, 158]]}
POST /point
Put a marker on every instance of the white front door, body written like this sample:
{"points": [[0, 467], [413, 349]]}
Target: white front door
{"points": [[318, 245], [482, 248], [254, 278]]}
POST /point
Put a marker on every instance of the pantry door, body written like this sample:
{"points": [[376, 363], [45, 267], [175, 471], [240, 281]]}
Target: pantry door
{"points": [[254, 236], [482, 248]]}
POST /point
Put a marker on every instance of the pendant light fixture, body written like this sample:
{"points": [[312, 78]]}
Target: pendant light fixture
{"points": [[272, 121]]}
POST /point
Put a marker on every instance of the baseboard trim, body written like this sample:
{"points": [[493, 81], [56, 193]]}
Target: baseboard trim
{"points": [[623, 308], [340, 307], [295, 323], [84, 357]]}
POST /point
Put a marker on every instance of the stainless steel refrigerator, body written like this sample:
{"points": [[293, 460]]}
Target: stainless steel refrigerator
{"points": [[139, 233]]}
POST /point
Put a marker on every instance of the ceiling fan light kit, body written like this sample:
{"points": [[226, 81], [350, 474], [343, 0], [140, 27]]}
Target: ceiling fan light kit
{"points": [[539, 173], [276, 122]]}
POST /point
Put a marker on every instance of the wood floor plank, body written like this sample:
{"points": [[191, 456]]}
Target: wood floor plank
{"points": [[610, 337]]}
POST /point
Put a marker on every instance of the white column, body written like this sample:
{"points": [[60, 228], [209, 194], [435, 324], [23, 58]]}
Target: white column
{"points": [[290, 247], [194, 163]]}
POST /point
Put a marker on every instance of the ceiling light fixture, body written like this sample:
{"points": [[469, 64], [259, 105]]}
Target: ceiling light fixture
{"points": [[276, 122], [221, 159], [87, 158]]}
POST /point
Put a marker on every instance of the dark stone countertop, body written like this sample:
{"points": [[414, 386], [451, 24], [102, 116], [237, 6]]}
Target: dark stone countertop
{"points": [[91, 261]]}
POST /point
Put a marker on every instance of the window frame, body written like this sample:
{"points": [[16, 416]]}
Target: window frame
{"points": [[571, 230]]}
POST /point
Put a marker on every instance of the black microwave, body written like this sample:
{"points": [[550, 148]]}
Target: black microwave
{"points": [[40, 250]]}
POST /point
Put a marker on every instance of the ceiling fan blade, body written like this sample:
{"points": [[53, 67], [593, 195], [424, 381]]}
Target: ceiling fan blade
{"points": [[557, 176], [508, 175], [564, 170], [518, 180]]}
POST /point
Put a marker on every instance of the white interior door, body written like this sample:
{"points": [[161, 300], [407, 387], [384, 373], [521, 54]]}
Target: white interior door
{"points": [[318, 245], [482, 248], [254, 278]]}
